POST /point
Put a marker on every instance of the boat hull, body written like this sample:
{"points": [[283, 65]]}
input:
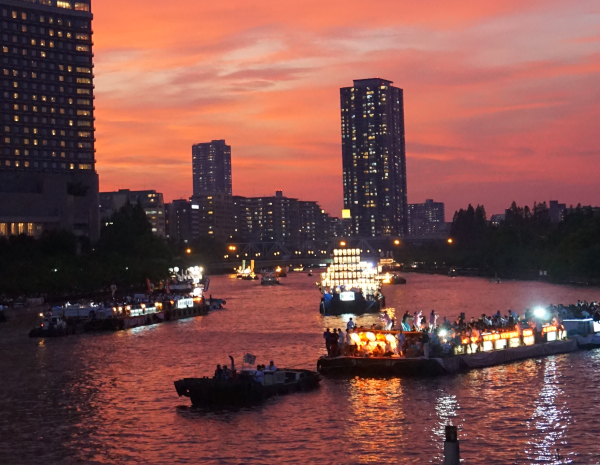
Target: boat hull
{"points": [[213, 393], [425, 367], [356, 307]]}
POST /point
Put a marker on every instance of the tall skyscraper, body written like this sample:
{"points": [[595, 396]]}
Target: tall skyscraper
{"points": [[47, 165], [374, 157], [211, 166]]}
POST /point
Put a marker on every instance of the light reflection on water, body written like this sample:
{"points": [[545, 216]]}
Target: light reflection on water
{"points": [[109, 398]]}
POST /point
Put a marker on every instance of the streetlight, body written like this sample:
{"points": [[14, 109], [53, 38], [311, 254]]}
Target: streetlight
{"points": [[232, 248], [397, 242], [450, 241], [188, 251]]}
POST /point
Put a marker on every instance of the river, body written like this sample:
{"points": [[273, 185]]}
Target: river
{"points": [[109, 398]]}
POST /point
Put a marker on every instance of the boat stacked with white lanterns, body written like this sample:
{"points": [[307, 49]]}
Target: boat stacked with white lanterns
{"points": [[350, 285]]}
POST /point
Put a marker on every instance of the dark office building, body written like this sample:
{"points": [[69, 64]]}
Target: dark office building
{"points": [[374, 157], [426, 219], [179, 221], [556, 211], [47, 167], [211, 165]]}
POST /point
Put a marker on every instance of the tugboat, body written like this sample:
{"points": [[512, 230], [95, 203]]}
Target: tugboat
{"points": [[245, 388], [350, 285]]}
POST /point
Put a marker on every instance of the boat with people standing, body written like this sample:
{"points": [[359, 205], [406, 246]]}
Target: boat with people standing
{"points": [[232, 388], [427, 349]]}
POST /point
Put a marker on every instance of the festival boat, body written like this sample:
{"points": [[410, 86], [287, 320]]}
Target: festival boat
{"points": [[350, 285], [244, 389], [377, 352], [281, 272]]}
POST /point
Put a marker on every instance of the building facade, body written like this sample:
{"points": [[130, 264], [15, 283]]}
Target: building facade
{"points": [[151, 201], [279, 219], [556, 211], [426, 219], [374, 157], [179, 221], [48, 178], [212, 216], [211, 166]]}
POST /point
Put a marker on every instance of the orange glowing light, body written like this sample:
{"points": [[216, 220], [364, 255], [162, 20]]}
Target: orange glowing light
{"points": [[342, 243], [450, 241], [548, 329], [397, 242], [527, 332]]}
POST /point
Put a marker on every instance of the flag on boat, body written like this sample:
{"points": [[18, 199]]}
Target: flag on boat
{"points": [[250, 359], [150, 285]]}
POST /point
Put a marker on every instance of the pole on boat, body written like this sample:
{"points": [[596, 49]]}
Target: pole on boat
{"points": [[451, 446]]}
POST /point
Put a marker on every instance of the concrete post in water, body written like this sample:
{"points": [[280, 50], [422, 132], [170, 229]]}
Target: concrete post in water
{"points": [[451, 446]]}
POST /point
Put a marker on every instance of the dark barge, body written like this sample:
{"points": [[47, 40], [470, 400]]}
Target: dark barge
{"points": [[245, 390]]}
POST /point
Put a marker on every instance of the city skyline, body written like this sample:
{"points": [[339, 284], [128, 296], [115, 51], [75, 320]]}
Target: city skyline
{"points": [[499, 100]]}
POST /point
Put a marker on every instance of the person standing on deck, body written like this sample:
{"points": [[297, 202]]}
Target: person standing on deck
{"points": [[327, 336], [341, 341], [334, 343], [350, 325]]}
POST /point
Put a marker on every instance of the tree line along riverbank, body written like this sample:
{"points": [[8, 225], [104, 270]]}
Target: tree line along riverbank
{"points": [[519, 247], [59, 264]]}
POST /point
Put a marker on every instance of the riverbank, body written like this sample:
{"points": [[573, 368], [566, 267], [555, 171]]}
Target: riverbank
{"points": [[474, 272]]}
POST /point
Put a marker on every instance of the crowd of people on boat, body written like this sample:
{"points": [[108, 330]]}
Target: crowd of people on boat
{"points": [[428, 335], [224, 373]]}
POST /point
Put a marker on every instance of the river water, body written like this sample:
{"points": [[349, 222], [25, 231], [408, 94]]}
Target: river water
{"points": [[109, 398]]}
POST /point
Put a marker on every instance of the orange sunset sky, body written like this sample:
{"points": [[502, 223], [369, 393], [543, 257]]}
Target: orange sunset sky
{"points": [[502, 98]]}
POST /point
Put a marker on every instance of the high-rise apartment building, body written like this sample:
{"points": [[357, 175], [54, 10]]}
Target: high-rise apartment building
{"points": [[211, 166], [47, 164], [426, 219], [212, 216], [374, 157], [279, 219]]}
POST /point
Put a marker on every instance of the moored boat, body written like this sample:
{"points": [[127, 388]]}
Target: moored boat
{"points": [[244, 389]]}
